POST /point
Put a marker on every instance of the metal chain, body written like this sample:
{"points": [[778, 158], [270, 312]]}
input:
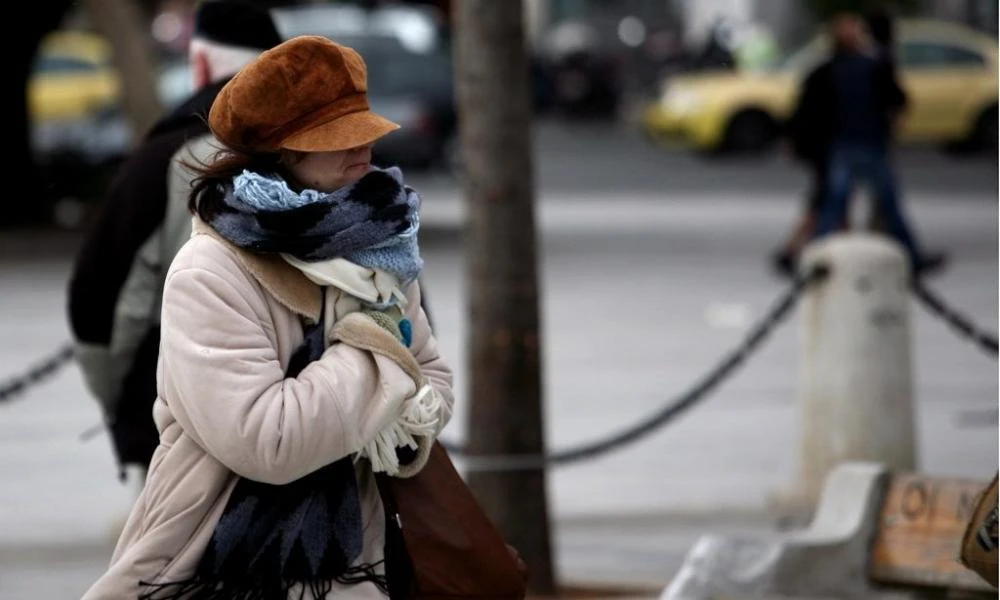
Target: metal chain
{"points": [[781, 308], [18, 385], [961, 324]]}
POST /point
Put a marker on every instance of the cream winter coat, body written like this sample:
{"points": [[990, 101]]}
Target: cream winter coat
{"points": [[230, 322]]}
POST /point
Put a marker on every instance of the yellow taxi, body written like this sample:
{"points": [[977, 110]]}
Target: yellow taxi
{"points": [[949, 72], [73, 77]]}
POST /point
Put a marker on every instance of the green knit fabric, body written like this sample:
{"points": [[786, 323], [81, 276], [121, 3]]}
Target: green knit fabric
{"points": [[387, 321]]}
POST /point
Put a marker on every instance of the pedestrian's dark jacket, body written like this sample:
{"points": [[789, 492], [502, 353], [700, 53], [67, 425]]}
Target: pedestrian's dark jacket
{"points": [[848, 97], [131, 214]]}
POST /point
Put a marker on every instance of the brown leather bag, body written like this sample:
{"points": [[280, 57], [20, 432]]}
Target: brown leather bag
{"points": [[440, 544]]}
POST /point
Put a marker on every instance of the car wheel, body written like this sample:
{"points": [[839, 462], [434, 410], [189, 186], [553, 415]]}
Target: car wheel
{"points": [[985, 133], [69, 213], [750, 132]]}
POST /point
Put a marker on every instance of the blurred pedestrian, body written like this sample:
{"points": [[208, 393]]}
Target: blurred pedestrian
{"points": [[717, 52], [865, 98], [809, 141], [882, 29], [296, 361], [809, 135], [117, 280]]}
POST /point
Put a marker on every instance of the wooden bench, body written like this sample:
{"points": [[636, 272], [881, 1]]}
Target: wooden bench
{"points": [[874, 534], [919, 531]]}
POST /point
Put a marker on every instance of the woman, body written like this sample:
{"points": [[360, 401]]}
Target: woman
{"points": [[295, 359]]}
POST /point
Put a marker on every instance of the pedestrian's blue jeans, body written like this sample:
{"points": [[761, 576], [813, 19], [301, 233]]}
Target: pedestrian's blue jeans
{"points": [[849, 162]]}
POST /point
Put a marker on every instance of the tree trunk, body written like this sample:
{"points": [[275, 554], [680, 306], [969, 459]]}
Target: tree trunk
{"points": [[506, 413], [122, 23]]}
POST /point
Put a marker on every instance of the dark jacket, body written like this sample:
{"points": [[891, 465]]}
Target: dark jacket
{"points": [[822, 112], [131, 213]]}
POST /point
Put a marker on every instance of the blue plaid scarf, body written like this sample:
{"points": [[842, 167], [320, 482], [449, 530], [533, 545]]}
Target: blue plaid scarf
{"points": [[372, 223]]}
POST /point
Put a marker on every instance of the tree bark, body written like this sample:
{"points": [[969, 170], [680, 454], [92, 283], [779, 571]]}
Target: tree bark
{"points": [[494, 107], [123, 24]]}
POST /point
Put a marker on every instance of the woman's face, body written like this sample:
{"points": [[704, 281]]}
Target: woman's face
{"points": [[329, 171]]}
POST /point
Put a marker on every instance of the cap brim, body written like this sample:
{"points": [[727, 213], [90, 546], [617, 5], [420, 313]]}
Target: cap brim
{"points": [[343, 133]]}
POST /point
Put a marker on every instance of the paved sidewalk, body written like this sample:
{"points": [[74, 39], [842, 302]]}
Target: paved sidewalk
{"points": [[629, 557]]}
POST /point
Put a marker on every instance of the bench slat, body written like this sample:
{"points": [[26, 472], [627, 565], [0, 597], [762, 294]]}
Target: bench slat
{"points": [[920, 531]]}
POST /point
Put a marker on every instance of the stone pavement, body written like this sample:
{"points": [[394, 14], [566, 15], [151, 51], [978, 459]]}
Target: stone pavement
{"points": [[672, 283]]}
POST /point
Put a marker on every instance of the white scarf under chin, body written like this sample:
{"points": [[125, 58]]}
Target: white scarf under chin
{"points": [[374, 287]]}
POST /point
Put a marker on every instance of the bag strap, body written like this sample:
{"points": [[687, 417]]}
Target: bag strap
{"points": [[398, 565]]}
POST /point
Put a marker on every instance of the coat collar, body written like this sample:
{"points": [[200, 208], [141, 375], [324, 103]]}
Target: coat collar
{"points": [[286, 283]]}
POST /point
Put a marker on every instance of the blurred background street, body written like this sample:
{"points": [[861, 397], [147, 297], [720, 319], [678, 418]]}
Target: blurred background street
{"points": [[714, 78], [680, 249], [677, 240]]}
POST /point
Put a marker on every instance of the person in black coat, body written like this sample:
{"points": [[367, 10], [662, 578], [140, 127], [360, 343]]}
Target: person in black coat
{"points": [[808, 133], [861, 102], [113, 299], [842, 128]]}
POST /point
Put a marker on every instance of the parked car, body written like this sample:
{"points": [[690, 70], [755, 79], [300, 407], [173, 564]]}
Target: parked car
{"points": [[948, 70], [72, 77], [604, 56], [79, 132], [73, 99], [409, 73], [583, 63]]}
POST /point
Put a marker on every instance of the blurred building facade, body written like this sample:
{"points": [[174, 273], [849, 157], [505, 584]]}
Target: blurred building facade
{"points": [[789, 20], [606, 56], [981, 14]]}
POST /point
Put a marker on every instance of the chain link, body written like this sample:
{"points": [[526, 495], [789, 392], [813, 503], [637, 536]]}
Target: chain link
{"points": [[779, 310], [961, 324], [18, 385]]}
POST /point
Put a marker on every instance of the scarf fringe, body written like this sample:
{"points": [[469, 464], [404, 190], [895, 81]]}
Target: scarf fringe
{"points": [[253, 566], [419, 419]]}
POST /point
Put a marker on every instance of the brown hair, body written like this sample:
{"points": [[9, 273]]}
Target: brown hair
{"points": [[208, 189]]}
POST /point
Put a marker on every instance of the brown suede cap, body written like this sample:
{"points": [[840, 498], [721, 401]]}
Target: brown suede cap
{"points": [[308, 94]]}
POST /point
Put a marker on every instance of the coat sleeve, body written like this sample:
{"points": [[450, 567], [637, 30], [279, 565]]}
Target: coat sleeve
{"points": [[437, 375], [433, 366], [223, 382], [804, 128]]}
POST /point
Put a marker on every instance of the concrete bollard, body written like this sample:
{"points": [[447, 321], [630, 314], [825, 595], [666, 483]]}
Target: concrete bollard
{"points": [[856, 386]]}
